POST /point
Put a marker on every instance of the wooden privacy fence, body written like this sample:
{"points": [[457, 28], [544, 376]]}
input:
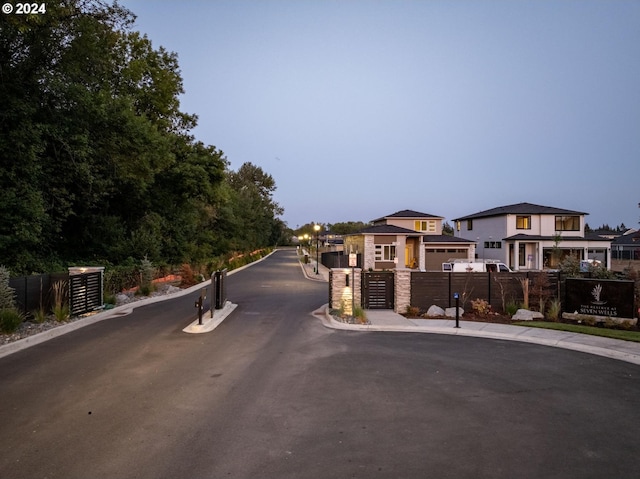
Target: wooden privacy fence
{"points": [[401, 288], [498, 289]]}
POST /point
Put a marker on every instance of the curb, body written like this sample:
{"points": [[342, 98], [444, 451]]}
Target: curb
{"points": [[563, 341], [210, 323]]}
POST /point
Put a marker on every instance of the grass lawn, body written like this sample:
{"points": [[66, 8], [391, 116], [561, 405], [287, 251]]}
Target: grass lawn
{"points": [[577, 328]]}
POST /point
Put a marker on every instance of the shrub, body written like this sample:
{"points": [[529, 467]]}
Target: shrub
{"points": [[60, 305], [553, 312], [147, 274], [480, 307], [39, 315], [7, 293], [359, 314], [188, 275], [413, 311], [512, 308], [10, 319]]}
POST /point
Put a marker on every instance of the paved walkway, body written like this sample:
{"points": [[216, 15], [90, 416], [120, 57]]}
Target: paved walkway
{"points": [[387, 320]]}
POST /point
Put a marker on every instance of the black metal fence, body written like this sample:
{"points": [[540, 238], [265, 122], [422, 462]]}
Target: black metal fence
{"points": [[85, 292], [337, 259], [35, 292], [82, 292]]}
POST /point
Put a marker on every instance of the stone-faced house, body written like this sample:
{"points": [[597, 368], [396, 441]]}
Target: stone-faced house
{"points": [[407, 239], [532, 237]]}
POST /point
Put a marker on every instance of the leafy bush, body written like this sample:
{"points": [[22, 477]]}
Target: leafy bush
{"points": [[480, 307], [188, 275], [10, 319], [413, 311], [7, 293]]}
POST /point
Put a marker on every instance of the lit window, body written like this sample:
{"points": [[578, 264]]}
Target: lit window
{"points": [[523, 222], [428, 226]]}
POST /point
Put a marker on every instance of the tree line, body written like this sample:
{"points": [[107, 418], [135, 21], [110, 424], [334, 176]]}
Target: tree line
{"points": [[97, 161]]}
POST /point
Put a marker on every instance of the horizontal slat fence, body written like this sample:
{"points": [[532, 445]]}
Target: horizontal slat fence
{"points": [[437, 288]]}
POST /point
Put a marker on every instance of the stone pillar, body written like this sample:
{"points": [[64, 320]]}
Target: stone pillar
{"points": [[341, 294], [402, 290], [369, 256]]}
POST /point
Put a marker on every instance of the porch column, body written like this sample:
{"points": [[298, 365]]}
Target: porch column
{"points": [[516, 255], [401, 243]]}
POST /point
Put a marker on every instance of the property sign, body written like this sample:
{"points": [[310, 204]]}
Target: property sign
{"points": [[353, 260], [599, 297]]}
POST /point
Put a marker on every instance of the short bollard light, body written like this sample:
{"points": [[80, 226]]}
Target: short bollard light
{"points": [[199, 304], [456, 296]]}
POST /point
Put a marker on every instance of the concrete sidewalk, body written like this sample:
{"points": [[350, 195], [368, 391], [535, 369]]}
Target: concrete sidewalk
{"points": [[387, 320]]}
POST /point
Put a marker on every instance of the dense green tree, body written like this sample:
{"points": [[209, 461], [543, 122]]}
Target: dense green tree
{"points": [[97, 162], [348, 227]]}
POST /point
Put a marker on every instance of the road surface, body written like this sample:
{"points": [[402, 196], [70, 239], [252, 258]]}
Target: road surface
{"points": [[271, 393]]}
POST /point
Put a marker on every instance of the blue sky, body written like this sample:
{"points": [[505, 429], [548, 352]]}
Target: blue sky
{"points": [[362, 108]]}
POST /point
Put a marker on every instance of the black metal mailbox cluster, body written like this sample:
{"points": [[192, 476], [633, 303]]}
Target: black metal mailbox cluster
{"points": [[218, 289]]}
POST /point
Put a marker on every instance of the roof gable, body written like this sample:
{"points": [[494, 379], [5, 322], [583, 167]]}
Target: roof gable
{"points": [[386, 229], [520, 209], [408, 214]]}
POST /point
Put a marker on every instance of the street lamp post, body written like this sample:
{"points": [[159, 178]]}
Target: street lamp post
{"points": [[317, 229]]}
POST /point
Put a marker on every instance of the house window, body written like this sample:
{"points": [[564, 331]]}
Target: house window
{"points": [[385, 252], [493, 244], [429, 226], [457, 226], [469, 225], [523, 222], [567, 223]]}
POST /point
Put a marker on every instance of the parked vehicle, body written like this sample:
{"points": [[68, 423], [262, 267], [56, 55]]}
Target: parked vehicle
{"points": [[466, 266]]}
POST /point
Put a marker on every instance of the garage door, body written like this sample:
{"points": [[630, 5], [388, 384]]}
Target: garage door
{"points": [[434, 257]]}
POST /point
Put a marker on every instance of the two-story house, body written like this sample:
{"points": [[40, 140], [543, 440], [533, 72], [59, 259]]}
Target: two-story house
{"points": [[531, 237], [407, 239]]}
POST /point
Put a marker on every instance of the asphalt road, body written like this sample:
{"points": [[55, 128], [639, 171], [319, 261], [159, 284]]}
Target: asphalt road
{"points": [[271, 393]]}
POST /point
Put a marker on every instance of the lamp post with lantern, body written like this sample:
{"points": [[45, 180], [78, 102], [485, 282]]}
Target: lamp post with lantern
{"points": [[317, 230]]}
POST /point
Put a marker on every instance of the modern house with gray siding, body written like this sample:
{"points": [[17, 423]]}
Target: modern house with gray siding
{"points": [[526, 236]]}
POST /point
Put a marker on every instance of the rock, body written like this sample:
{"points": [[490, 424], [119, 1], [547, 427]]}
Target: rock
{"points": [[122, 298], [526, 315], [434, 312], [451, 312]]}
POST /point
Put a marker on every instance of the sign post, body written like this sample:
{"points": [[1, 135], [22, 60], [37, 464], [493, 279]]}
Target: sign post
{"points": [[456, 296]]}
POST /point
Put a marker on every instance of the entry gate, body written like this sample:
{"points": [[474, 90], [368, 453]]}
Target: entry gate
{"points": [[378, 289]]}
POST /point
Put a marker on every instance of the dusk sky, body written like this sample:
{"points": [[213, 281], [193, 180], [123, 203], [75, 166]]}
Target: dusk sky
{"points": [[362, 108]]}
